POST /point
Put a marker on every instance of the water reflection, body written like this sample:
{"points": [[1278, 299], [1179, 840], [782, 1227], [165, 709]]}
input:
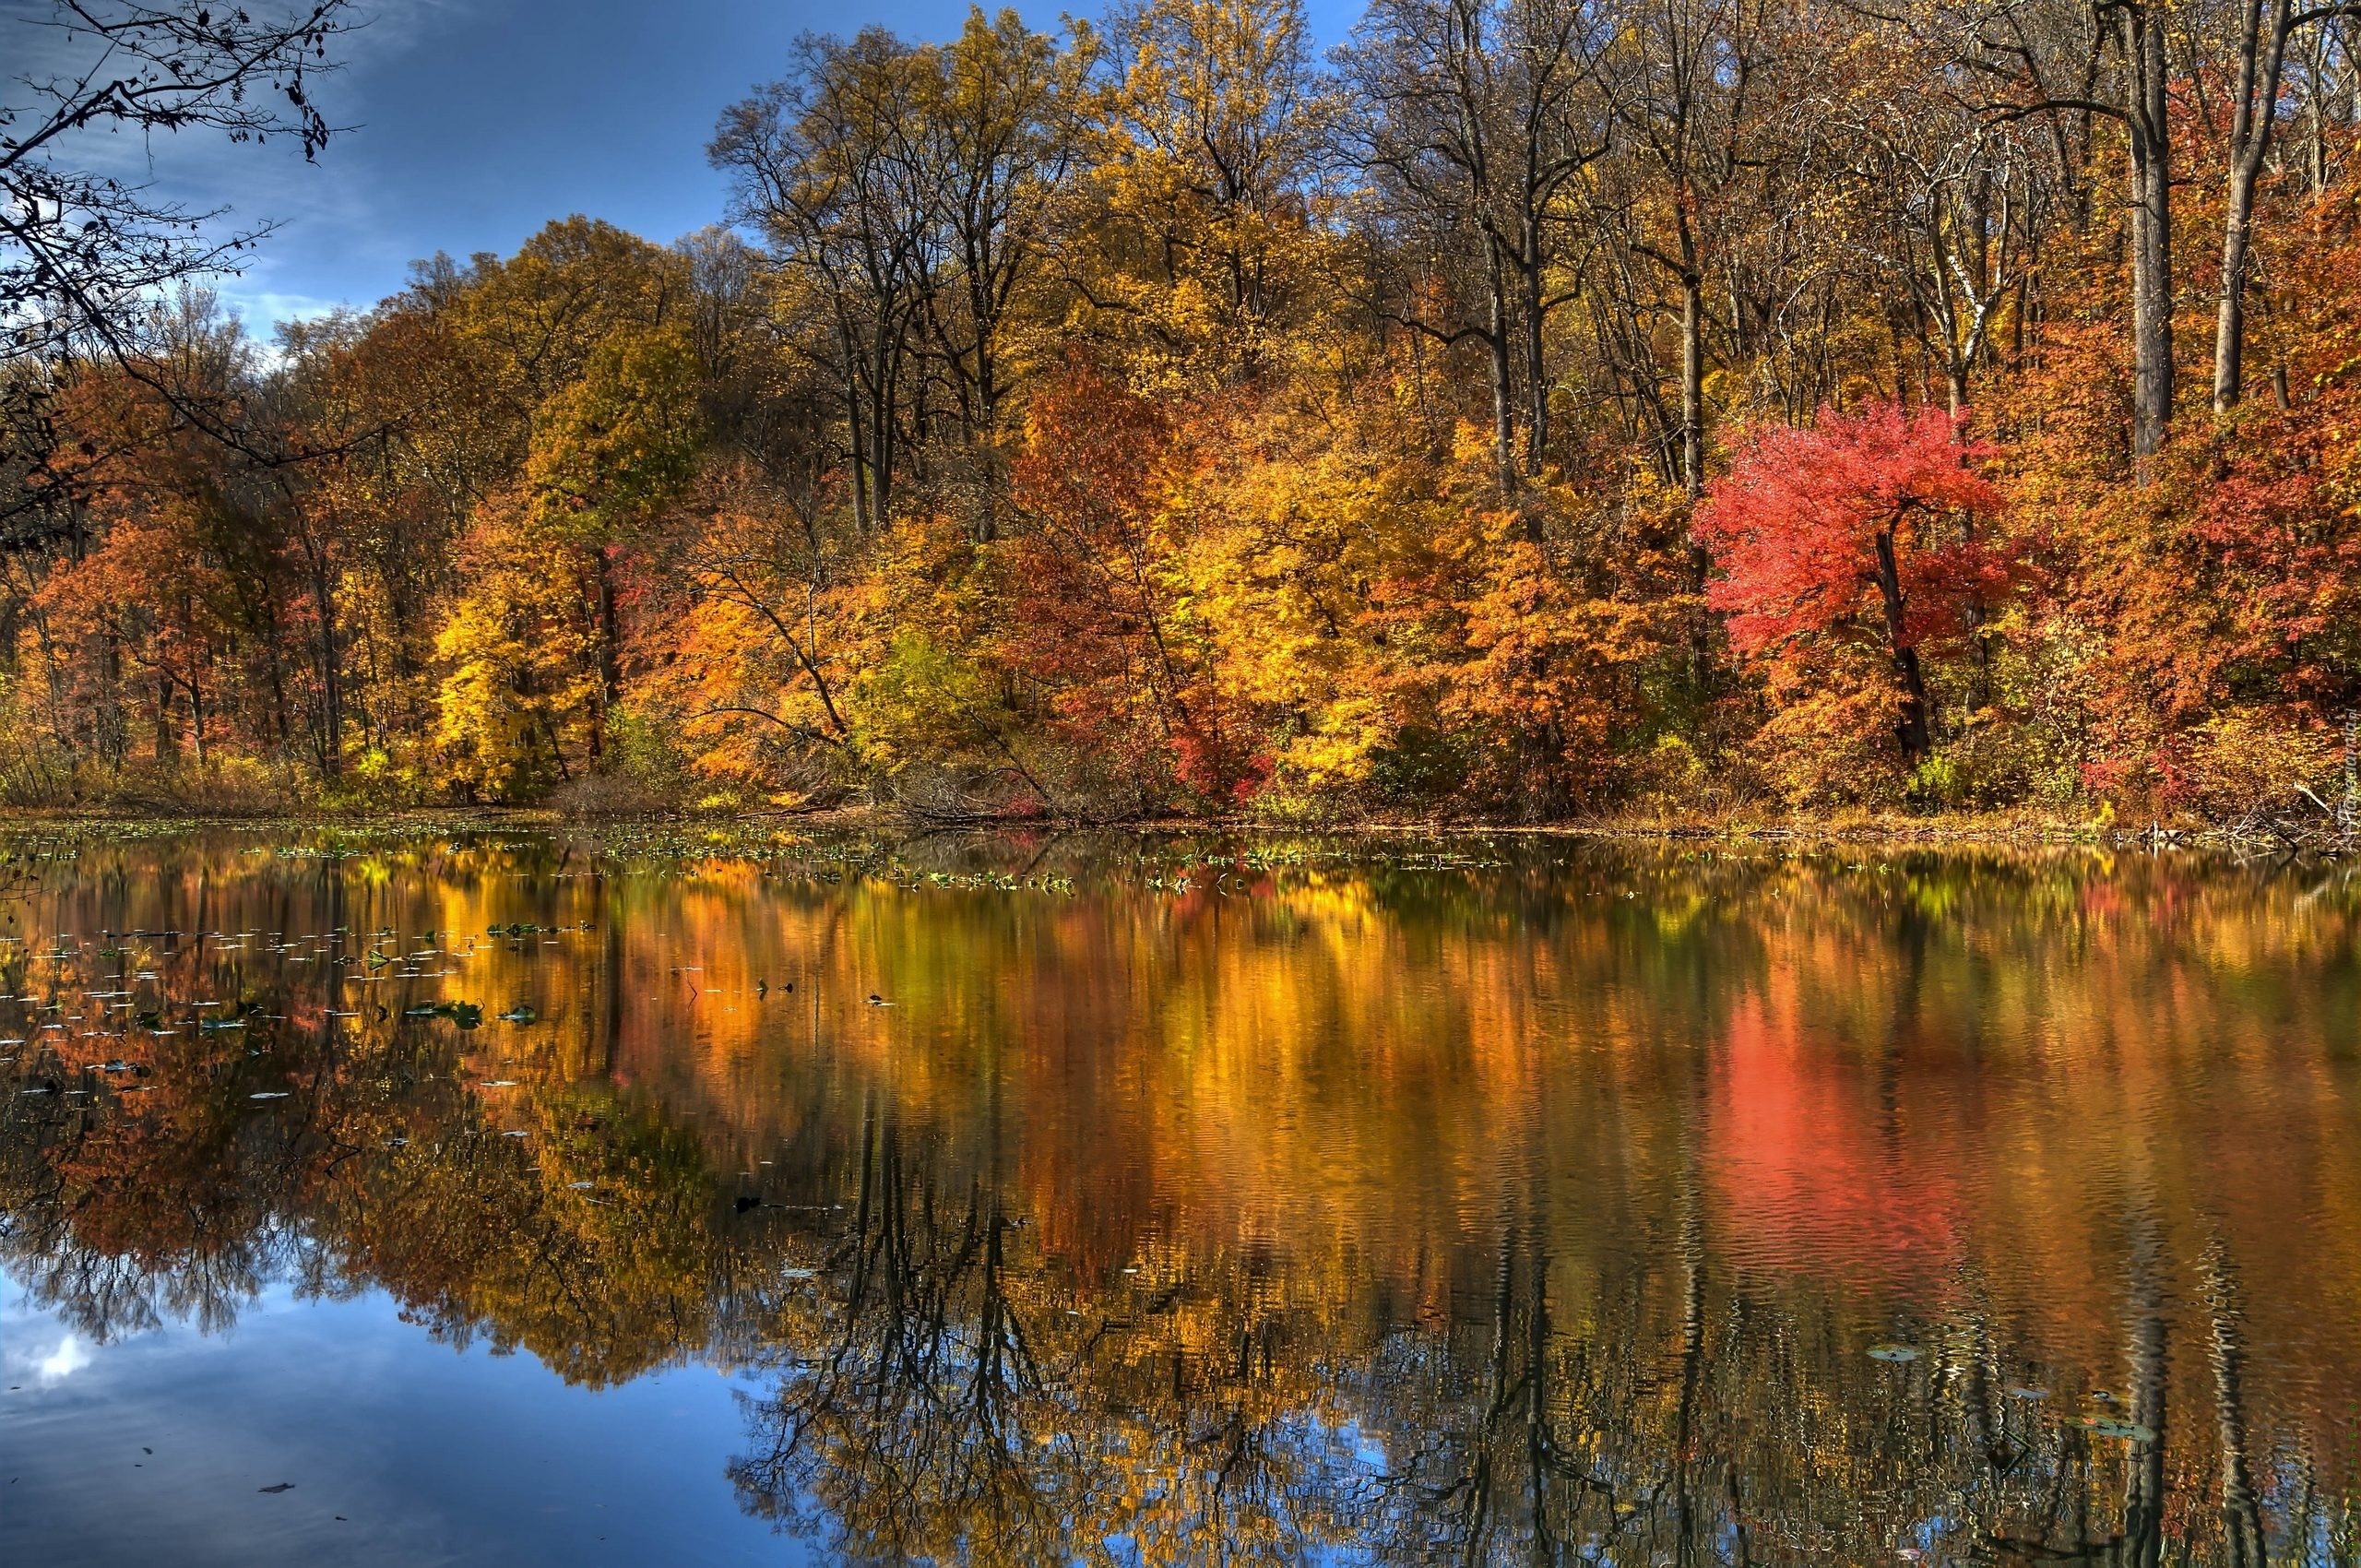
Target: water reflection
{"points": [[1168, 1204]]}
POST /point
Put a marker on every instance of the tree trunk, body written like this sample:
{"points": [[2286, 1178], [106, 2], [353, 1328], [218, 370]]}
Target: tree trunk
{"points": [[2152, 236], [1692, 466], [2151, 306], [2230, 318], [1914, 726], [862, 514], [610, 650], [1692, 384], [988, 400], [1496, 343], [331, 684], [1536, 374], [2261, 54]]}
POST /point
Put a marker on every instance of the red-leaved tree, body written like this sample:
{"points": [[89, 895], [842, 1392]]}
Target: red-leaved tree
{"points": [[1867, 528]]}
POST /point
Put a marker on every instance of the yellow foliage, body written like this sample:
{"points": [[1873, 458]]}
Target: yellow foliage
{"points": [[517, 703]]}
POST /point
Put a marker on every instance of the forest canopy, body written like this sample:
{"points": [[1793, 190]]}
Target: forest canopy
{"points": [[1529, 408]]}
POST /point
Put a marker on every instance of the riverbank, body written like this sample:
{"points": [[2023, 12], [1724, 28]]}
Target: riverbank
{"points": [[683, 829]]}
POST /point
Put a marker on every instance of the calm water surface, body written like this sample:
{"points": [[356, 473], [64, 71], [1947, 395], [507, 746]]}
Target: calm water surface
{"points": [[499, 1198]]}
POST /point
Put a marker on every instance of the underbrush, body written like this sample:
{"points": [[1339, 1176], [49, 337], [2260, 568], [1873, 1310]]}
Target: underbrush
{"points": [[235, 786]]}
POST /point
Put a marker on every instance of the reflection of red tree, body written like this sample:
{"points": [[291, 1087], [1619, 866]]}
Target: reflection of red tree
{"points": [[1807, 1179]]}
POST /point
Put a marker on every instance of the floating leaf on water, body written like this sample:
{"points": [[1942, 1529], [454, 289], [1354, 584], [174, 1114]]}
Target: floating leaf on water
{"points": [[268, 1094], [578, 1186], [2128, 1431], [496, 1083], [2022, 1392], [520, 1013], [1893, 1353]]}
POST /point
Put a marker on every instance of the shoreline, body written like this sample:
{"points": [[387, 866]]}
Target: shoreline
{"points": [[1947, 830]]}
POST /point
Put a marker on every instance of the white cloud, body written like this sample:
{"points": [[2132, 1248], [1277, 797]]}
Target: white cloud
{"points": [[72, 1354]]}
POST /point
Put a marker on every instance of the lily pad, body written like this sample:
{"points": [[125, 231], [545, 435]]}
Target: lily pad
{"points": [[1893, 1353], [2127, 1432]]}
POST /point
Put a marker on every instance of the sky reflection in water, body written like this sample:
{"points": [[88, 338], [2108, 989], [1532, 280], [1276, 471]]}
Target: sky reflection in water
{"points": [[1172, 1201]]}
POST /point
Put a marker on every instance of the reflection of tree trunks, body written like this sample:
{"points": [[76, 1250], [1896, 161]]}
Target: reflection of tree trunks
{"points": [[858, 1290], [1479, 1480], [611, 950], [1985, 1429], [2241, 1515], [1692, 1362], [2143, 1496], [1537, 1443]]}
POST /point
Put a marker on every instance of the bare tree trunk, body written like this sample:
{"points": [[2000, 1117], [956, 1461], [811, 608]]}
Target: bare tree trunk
{"points": [[1692, 463], [1496, 343], [2151, 234], [862, 513], [2261, 54], [1536, 374], [1692, 384], [2230, 317]]}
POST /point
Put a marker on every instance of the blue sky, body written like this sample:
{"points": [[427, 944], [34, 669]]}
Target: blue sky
{"points": [[477, 121]]}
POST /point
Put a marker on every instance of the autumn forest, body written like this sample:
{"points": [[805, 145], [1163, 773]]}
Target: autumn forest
{"points": [[1529, 409]]}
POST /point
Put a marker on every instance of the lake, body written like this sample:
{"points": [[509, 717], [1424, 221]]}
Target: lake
{"points": [[475, 1196]]}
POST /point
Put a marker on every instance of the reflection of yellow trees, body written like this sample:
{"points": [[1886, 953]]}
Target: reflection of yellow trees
{"points": [[1268, 1208]]}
